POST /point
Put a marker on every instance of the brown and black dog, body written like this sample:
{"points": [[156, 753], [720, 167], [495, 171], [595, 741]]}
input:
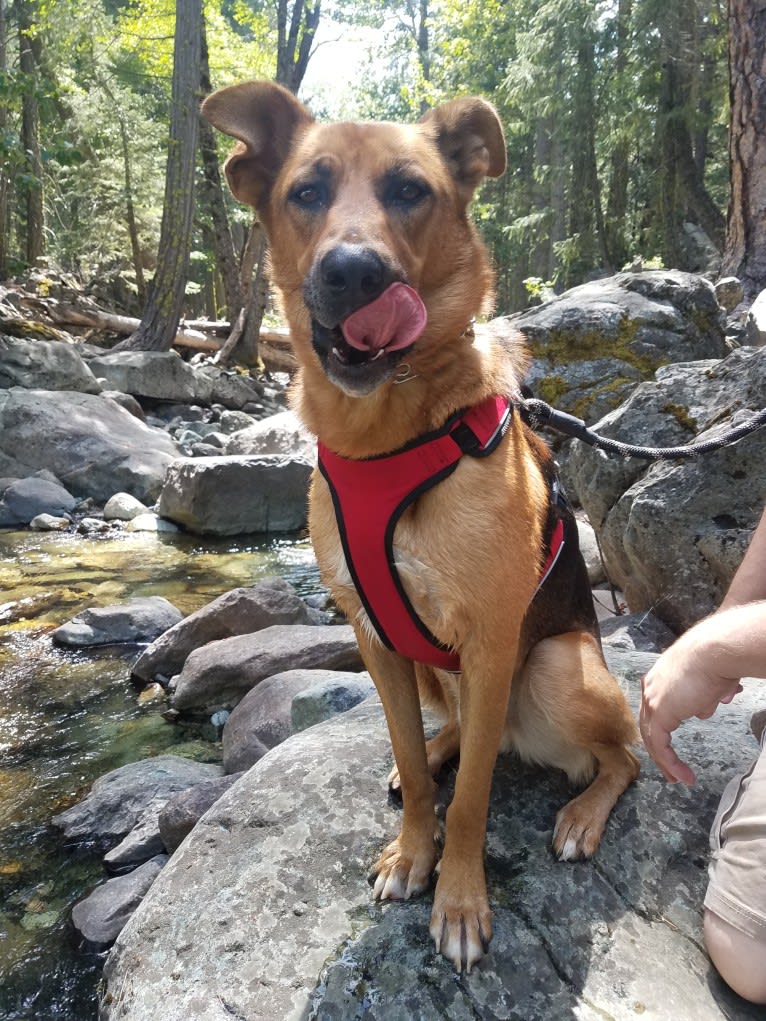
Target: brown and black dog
{"points": [[381, 273]]}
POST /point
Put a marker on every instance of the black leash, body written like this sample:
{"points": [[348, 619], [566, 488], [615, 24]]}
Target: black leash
{"points": [[543, 414]]}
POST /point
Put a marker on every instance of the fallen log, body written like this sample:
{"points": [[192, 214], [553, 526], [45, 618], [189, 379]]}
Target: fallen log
{"points": [[275, 349]]}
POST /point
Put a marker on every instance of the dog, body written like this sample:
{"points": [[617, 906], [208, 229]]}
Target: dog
{"points": [[381, 274]]}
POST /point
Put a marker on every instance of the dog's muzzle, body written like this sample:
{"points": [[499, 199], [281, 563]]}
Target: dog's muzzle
{"points": [[364, 317]]}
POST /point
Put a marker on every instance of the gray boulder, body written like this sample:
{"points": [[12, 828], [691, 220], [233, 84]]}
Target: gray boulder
{"points": [[119, 799], [641, 632], [673, 533], [278, 434], [237, 494], [165, 376], [592, 343], [238, 612], [123, 507], [265, 911], [160, 375], [44, 365], [140, 845], [91, 444], [181, 813], [263, 719], [331, 694], [101, 916], [24, 499], [220, 674], [138, 620]]}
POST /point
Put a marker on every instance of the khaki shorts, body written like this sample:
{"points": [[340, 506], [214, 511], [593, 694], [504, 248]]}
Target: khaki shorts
{"points": [[737, 888]]}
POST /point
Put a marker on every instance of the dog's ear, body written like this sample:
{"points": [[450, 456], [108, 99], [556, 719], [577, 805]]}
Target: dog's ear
{"points": [[470, 136], [266, 119]]}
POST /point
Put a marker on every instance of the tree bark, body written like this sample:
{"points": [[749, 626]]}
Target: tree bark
{"points": [[5, 181], [745, 251], [617, 197], [166, 293], [30, 136], [211, 193]]}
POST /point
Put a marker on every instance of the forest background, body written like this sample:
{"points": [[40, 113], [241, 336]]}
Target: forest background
{"points": [[617, 116]]}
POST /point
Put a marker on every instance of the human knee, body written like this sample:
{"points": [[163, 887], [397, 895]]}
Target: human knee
{"points": [[740, 959]]}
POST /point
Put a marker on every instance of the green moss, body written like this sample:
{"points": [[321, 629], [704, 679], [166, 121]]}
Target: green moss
{"points": [[551, 388], [614, 390], [564, 346], [681, 415]]}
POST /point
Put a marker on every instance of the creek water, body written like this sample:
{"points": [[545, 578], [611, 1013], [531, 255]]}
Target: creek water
{"points": [[68, 717]]}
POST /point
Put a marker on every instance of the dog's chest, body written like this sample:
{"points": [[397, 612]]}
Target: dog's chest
{"points": [[418, 556]]}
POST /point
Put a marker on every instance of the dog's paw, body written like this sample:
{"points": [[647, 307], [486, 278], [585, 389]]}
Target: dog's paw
{"points": [[401, 873], [461, 927], [577, 833]]}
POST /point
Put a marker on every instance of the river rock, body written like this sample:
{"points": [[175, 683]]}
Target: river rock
{"points": [[181, 813], [118, 799], [238, 612], [263, 719], [333, 692], [162, 375], [101, 916], [642, 632], [93, 446], [282, 433], [729, 292], [165, 376], [140, 845], [673, 533], [44, 365], [123, 507], [592, 343], [150, 522], [49, 523], [24, 499], [220, 674], [137, 620], [234, 495], [755, 325], [265, 910]]}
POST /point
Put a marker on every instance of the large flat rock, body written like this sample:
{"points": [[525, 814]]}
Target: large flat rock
{"points": [[265, 911]]}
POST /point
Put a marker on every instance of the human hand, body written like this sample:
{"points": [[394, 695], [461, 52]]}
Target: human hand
{"points": [[682, 683]]}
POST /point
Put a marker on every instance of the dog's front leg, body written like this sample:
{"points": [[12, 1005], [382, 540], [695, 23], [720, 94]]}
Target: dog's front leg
{"points": [[405, 867], [461, 921]]}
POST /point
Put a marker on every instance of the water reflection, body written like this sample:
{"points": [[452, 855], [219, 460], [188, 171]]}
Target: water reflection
{"points": [[68, 717]]}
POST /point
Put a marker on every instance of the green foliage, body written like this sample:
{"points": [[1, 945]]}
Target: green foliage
{"points": [[591, 93]]}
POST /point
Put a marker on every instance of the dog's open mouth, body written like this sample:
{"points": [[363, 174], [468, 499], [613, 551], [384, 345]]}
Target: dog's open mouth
{"points": [[365, 349]]}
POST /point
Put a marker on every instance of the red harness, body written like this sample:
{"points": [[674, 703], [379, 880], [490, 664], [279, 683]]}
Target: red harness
{"points": [[370, 496]]}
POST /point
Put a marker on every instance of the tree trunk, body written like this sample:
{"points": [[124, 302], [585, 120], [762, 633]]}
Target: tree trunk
{"points": [[617, 199], [211, 194], [30, 135], [745, 252], [166, 294], [5, 181], [294, 42], [586, 217], [682, 193]]}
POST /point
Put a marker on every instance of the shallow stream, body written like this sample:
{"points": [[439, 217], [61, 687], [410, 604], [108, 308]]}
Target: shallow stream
{"points": [[68, 717]]}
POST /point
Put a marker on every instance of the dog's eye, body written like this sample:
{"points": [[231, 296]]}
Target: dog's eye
{"points": [[308, 195], [406, 193]]}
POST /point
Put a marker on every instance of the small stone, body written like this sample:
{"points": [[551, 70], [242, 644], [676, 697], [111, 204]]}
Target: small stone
{"points": [[49, 523]]}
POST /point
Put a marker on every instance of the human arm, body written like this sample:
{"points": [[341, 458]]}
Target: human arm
{"points": [[702, 669], [704, 666]]}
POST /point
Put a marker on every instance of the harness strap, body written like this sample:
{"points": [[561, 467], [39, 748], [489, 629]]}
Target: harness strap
{"points": [[371, 494]]}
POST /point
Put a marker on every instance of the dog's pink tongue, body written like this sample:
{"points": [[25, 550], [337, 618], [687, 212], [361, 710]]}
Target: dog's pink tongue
{"points": [[394, 320]]}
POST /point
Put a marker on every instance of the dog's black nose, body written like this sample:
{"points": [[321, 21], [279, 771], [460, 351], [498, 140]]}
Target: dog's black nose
{"points": [[352, 275]]}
